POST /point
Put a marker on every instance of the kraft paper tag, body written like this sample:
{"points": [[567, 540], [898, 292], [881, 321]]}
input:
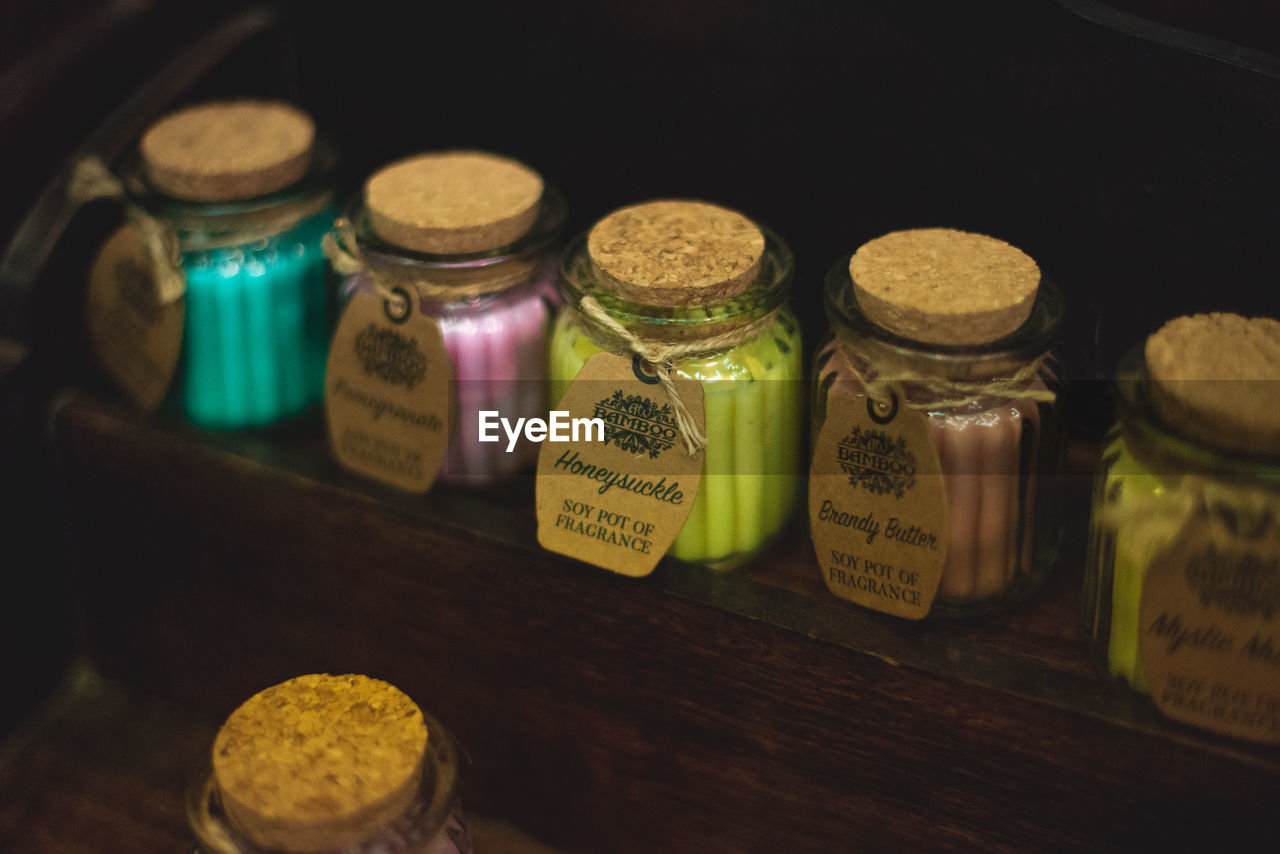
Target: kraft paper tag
{"points": [[619, 503], [136, 338], [386, 392], [877, 506], [1210, 632]]}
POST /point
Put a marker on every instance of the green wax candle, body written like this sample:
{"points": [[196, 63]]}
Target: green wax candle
{"points": [[753, 415]]}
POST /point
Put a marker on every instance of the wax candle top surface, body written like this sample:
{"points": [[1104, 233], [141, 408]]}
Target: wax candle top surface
{"points": [[1217, 378], [228, 150], [453, 202], [942, 286], [676, 252], [320, 762]]}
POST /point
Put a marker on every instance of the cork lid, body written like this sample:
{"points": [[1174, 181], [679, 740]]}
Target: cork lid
{"points": [[453, 202], [319, 762], [227, 150], [943, 286], [1217, 379], [676, 252]]}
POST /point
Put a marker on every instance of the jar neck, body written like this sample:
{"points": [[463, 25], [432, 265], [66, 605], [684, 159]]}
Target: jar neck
{"points": [[446, 279], [685, 329], [892, 356], [203, 225]]}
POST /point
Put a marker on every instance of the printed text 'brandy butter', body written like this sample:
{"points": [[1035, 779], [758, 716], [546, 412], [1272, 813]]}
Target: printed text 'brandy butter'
{"points": [[676, 335], [934, 409], [1182, 585]]}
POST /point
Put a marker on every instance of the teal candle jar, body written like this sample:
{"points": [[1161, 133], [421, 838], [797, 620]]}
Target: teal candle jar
{"points": [[754, 393], [1196, 446], [247, 189]]}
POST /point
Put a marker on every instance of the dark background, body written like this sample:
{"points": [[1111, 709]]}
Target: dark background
{"points": [[1136, 164]]}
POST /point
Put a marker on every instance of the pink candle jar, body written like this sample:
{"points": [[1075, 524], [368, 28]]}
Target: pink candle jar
{"points": [[474, 235], [957, 327]]}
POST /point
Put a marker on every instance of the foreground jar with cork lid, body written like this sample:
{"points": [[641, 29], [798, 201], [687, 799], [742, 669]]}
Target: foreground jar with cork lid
{"points": [[473, 235], [709, 285], [326, 763], [1182, 585], [246, 187], [936, 497]]}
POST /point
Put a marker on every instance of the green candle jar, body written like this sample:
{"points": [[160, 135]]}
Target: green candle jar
{"points": [[725, 276], [1184, 543], [247, 189]]}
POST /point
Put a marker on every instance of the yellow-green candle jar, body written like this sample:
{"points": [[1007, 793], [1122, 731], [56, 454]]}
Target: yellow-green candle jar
{"points": [[753, 388], [1201, 451]]}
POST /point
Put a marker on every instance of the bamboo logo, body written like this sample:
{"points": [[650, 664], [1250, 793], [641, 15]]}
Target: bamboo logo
{"points": [[877, 462], [1242, 583], [393, 357], [636, 424]]}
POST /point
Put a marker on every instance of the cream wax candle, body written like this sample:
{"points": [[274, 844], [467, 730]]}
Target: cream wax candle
{"points": [[957, 326], [714, 284], [1183, 574], [473, 235]]}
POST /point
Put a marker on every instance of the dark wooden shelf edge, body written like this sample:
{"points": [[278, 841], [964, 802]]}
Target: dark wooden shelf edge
{"points": [[618, 702]]}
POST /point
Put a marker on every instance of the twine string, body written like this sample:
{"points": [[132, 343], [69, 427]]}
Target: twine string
{"points": [[343, 251], [947, 393], [662, 355], [92, 180]]}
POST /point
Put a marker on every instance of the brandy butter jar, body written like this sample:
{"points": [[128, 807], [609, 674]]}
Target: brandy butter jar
{"points": [[1182, 584], [474, 235], [712, 286], [326, 763], [247, 188], [933, 495]]}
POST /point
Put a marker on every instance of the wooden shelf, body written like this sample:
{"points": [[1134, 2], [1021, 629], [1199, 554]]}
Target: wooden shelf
{"points": [[691, 710]]}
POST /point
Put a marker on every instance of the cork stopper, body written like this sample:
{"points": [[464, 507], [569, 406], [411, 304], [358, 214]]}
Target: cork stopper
{"points": [[942, 286], [228, 150], [453, 202], [319, 762], [674, 253], [1217, 379]]}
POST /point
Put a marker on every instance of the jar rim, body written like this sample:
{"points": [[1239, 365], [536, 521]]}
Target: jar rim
{"points": [[1031, 339], [1141, 420], [437, 795], [767, 291]]}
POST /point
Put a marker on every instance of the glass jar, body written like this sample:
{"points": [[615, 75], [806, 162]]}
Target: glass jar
{"points": [[999, 448], [1147, 463], [495, 309], [257, 318], [753, 396], [432, 823]]}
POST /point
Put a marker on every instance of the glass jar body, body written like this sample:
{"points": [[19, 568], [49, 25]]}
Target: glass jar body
{"points": [[753, 399], [1147, 477], [998, 456], [497, 344], [433, 823], [257, 327]]}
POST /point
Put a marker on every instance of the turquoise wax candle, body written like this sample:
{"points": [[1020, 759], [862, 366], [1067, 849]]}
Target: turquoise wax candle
{"points": [[247, 191]]}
